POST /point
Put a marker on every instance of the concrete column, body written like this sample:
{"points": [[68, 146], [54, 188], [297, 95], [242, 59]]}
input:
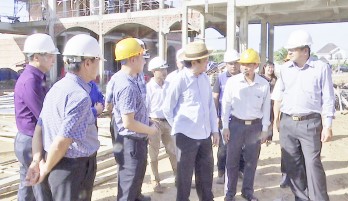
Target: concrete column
{"points": [[65, 10], [202, 25], [270, 41], [101, 7], [243, 31], [161, 4], [184, 25], [101, 43], [51, 22], [263, 48], [231, 25], [161, 38], [138, 5]]}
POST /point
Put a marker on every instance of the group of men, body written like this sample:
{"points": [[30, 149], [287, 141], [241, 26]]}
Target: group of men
{"points": [[59, 127]]}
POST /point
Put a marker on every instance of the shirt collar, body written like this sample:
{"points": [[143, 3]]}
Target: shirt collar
{"points": [[240, 78], [77, 79], [309, 63], [154, 84], [36, 71]]}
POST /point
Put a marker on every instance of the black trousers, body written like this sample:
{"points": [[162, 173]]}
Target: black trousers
{"points": [[246, 138], [132, 161], [222, 155], [301, 148], [72, 179], [195, 155]]}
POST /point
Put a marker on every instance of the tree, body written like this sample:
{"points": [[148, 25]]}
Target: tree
{"points": [[280, 55]]}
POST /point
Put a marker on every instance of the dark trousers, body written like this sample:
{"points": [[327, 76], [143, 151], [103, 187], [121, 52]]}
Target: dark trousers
{"points": [[247, 136], [301, 148], [23, 151], [221, 157], [132, 161], [72, 179], [195, 155]]}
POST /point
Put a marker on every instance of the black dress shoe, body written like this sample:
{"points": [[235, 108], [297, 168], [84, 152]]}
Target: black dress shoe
{"points": [[285, 181], [142, 197]]}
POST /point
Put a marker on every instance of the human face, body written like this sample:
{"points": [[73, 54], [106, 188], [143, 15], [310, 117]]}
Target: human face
{"points": [[139, 62], [92, 66], [233, 67], [298, 54], [160, 73], [248, 69], [269, 69], [200, 66], [46, 61]]}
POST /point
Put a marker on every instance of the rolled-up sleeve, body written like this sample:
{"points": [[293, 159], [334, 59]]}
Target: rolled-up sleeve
{"points": [[127, 101]]}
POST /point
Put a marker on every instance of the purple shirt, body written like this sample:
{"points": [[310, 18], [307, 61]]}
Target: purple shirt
{"points": [[29, 94]]}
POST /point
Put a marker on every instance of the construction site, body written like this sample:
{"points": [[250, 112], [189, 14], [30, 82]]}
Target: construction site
{"points": [[165, 26]]}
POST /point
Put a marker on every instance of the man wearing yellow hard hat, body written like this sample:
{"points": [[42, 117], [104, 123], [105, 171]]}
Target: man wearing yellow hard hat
{"points": [[245, 119], [132, 120]]}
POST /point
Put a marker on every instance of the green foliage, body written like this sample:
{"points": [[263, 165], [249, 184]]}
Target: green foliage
{"points": [[217, 56], [280, 55]]}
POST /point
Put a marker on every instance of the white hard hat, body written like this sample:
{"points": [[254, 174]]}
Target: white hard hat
{"points": [[180, 51], [157, 63], [299, 38], [39, 43], [83, 45], [146, 55], [231, 56]]}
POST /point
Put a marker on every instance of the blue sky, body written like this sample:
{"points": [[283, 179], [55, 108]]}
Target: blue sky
{"points": [[322, 34]]}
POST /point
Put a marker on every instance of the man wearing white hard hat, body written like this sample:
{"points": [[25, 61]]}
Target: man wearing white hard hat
{"points": [[231, 59], [66, 127], [155, 93], [30, 91], [304, 96]]}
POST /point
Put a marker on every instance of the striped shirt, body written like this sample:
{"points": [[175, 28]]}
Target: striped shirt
{"points": [[67, 112]]}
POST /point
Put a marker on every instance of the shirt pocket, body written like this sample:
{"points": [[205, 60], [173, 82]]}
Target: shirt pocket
{"points": [[257, 100]]}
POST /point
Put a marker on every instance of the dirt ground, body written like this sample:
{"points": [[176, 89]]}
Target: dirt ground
{"points": [[334, 157]]}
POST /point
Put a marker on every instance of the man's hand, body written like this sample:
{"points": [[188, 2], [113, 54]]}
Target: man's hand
{"points": [[264, 136], [43, 171], [216, 139], [326, 134], [226, 134], [154, 129], [33, 174], [99, 107]]}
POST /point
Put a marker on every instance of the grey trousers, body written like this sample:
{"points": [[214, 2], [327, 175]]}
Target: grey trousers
{"points": [[132, 161], [249, 137], [197, 155], [23, 151], [301, 148], [72, 179]]}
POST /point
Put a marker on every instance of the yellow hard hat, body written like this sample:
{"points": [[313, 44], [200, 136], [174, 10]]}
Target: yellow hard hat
{"points": [[249, 56], [127, 48]]}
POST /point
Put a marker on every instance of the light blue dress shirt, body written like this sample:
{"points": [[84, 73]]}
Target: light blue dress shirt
{"points": [[67, 112], [246, 101], [306, 90], [189, 106]]}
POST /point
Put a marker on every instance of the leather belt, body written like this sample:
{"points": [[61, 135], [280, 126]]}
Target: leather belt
{"points": [[245, 122], [303, 117], [159, 119], [136, 138]]}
